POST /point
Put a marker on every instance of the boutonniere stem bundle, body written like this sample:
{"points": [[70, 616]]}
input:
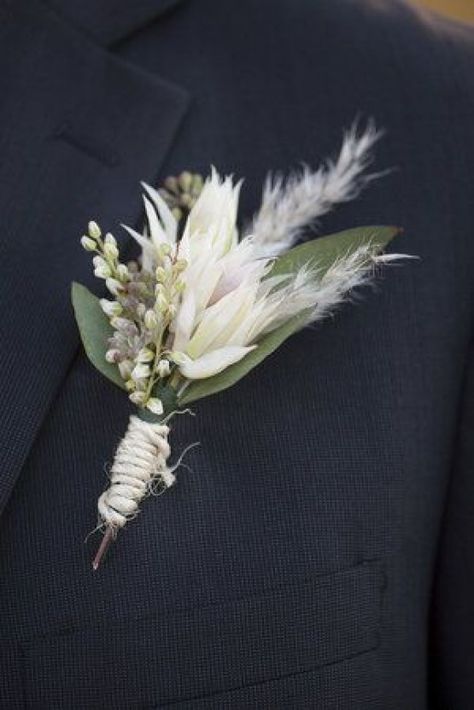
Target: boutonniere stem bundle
{"points": [[202, 306]]}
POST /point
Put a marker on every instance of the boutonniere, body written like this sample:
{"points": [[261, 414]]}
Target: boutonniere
{"points": [[202, 307]]}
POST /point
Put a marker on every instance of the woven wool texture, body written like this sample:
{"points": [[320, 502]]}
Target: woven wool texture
{"points": [[295, 564]]}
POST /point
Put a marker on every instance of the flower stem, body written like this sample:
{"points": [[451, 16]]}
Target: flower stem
{"points": [[103, 547]]}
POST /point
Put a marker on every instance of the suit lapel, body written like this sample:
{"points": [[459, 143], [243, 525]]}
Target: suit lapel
{"points": [[80, 129], [108, 21]]}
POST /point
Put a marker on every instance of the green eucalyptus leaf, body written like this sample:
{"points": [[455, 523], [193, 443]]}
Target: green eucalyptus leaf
{"points": [[323, 252], [95, 330]]}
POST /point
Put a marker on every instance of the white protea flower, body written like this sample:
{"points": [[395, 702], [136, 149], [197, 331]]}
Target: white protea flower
{"points": [[228, 302]]}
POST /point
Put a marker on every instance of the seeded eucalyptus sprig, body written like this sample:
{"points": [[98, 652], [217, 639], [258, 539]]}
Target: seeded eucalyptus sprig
{"points": [[180, 193], [143, 308]]}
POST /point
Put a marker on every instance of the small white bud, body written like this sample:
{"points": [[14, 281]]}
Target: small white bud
{"points": [[163, 368], [162, 303], [98, 261], [185, 180], [101, 268], [145, 355], [88, 243], [114, 286], [125, 369], [122, 272], [181, 265], [164, 249], [137, 397], [111, 251], [102, 272], [140, 371], [172, 310], [151, 321], [110, 239], [155, 405], [179, 286], [187, 200], [110, 308], [141, 310], [161, 274], [94, 230]]}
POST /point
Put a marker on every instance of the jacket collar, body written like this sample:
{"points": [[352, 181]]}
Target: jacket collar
{"points": [[107, 21], [83, 128]]}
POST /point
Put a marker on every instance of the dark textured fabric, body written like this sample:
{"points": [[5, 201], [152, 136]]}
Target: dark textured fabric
{"points": [[453, 599], [295, 564], [107, 20]]}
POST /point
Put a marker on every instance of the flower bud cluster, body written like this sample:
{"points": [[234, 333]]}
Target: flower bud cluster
{"points": [[180, 193], [141, 311]]}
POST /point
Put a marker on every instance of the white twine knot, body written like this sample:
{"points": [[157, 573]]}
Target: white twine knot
{"points": [[140, 461]]}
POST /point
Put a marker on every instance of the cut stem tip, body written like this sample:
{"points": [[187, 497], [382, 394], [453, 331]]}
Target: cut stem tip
{"points": [[103, 547]]}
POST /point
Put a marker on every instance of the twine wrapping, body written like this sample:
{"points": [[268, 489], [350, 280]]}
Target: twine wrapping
{"points": [[139, 463]]}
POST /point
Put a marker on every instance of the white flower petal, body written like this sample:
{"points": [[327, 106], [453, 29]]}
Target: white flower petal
{"points": [[148, 251], [201, 277], [157, 233], [184, 321], [221, 320], [169, 222], [215, 212], [239, 264], [213, 362]]}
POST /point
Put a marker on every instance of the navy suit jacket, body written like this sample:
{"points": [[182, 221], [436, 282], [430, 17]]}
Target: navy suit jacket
{"points": [[319, 552]]}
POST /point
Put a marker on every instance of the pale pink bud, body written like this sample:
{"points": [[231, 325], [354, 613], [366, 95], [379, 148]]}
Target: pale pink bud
{"points": [[121, 324], [112, 355]]}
